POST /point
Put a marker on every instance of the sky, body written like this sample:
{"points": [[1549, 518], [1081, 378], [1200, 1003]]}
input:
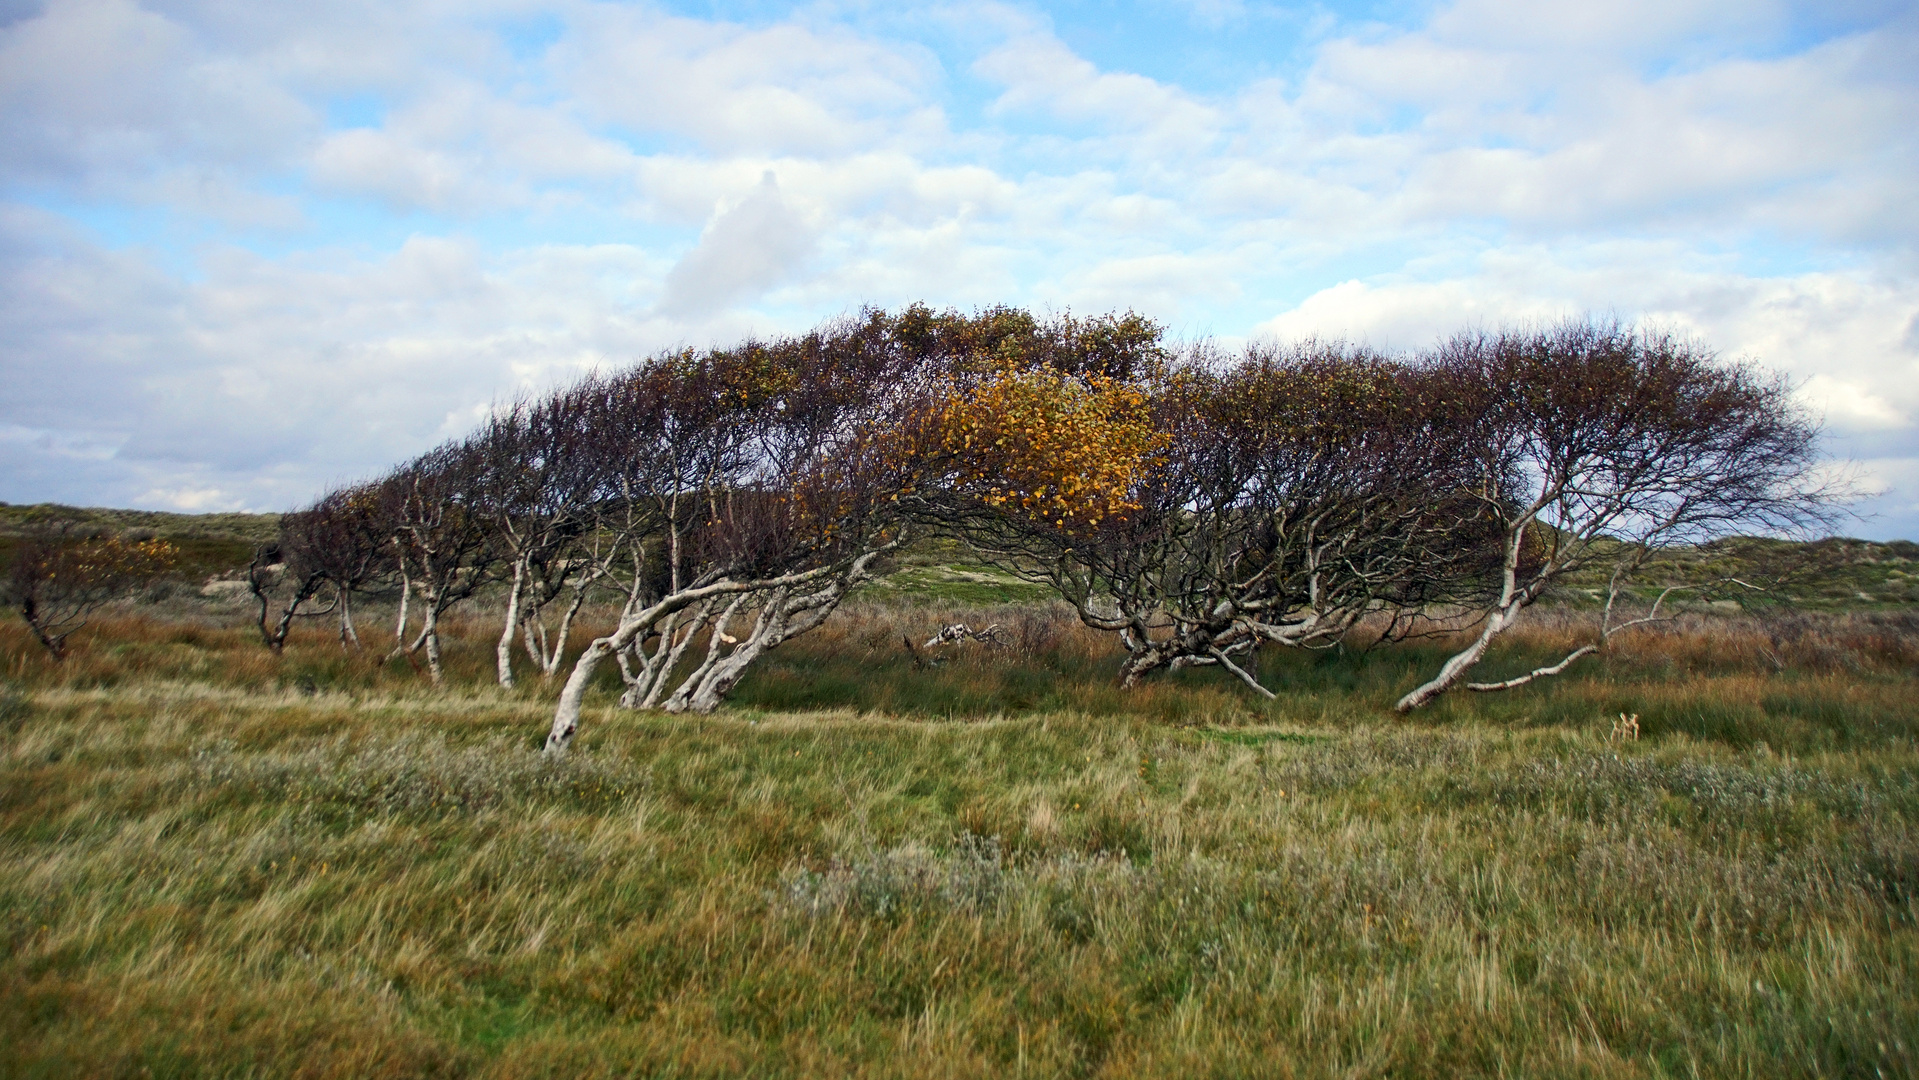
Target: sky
{"points": [[249, 250]]}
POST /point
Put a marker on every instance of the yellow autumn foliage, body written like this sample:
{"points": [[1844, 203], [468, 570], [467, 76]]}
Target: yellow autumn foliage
{"points": [[1059, 448], [106, 562]]}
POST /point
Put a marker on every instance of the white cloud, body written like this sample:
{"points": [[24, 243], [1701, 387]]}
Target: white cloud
{"points": [[1551, 128], [263, 379], [191, 500], [1851, 405], [1163, 285], [404, 174], [747, 248], [782, 89], [1040, 73], [1627, 28], [1891, 502], [99, 92]]}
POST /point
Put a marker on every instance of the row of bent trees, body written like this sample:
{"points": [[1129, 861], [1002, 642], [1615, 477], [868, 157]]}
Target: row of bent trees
{"points": [[1198, 505]]}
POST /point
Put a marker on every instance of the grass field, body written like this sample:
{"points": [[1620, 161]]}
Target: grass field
{"points": [[216, 862]]}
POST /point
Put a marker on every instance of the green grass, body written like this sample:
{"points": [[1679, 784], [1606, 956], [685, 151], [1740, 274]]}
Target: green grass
{"points": [[214, 862]]}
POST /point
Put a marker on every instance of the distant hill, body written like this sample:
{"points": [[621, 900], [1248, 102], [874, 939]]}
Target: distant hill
{"points": [[1833, 574], [210, 544]]}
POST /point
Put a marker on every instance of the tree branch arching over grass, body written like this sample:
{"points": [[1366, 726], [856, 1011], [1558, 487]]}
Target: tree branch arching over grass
{"points": [[1598, 441]]}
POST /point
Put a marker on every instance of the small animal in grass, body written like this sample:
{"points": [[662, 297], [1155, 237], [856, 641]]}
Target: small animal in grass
{"points": [[1624, 728]]}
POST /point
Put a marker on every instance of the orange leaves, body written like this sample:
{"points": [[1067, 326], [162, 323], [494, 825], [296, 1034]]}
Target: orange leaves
{"points": [[1058, 448]]}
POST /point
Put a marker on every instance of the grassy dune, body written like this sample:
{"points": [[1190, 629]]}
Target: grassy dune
{"points": [[218, 862]]}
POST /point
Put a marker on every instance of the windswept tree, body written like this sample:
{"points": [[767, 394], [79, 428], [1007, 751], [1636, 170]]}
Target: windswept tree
{"points": [[347, 536], [773, 475], [1198, 506], [1315, 485], [444, 547], [1052, 472], [324, 555], [1276, 497], [289, 574], [1598, 445], [60, 577], [538, 475], [676, 435]]}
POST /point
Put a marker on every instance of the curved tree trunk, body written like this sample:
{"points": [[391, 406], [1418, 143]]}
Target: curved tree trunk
{"points": [[566, 714], [503, 652], [788, 616], [1461, 662], [1513, 599]]}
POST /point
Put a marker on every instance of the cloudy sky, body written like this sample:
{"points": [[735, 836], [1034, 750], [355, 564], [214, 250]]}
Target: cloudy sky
{"points": [[248, 249]]}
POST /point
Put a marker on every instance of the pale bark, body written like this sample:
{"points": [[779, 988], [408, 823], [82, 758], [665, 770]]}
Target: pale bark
{"points": [[717, 638], [546, 648], [550, 662], [566, 714], [399, 627], [783, 616], [348, 635], [503, 651], [1512, 600], [1536, 673], [1459, 663], [676, 633], [1244, 676], [779, 619], [431, 636], [1607, 628]]}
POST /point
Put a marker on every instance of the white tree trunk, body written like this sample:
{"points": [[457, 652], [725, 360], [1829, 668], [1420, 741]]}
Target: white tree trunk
{"points": [[554, 653], [716, 639], [795, 617], [643, 688], [348, 635], [783, 616], [533, 637], [1536, 673], [399, 628], [566, 715], [1513, 599], [1459, 663], [503, 652], [431, 636]]}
